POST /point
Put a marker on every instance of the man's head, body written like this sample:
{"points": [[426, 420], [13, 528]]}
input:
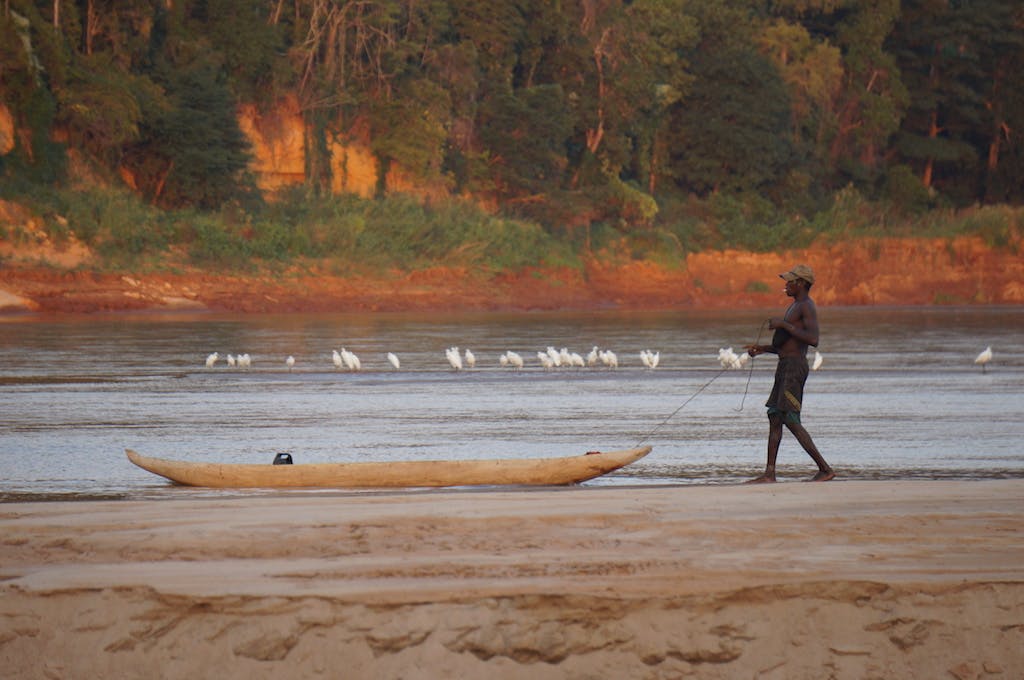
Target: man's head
{"points": [[800, 272]]}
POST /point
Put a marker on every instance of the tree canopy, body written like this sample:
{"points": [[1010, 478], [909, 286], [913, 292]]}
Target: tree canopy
{"points": [[571, 112]]}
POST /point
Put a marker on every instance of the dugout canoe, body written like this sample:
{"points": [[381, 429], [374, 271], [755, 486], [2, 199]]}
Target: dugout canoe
{"points": [[432, 473]]}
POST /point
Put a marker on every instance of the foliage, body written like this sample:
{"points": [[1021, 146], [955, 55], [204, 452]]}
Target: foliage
{"points": [[98, 107], [736, 136], [399, 232], [650, 125], [191, 151]]}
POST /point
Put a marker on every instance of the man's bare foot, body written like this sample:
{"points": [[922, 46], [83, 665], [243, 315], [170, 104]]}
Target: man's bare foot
{"points": [[823, 476], [763, 479]]}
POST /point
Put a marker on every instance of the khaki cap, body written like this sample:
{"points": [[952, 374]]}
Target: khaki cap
{"points": [[801, 271]]}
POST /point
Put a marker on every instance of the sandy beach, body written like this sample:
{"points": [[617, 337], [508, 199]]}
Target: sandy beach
{"points": [[841, 580]]}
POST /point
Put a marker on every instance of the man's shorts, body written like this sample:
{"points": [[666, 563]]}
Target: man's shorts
{"points": [[788, 391]]}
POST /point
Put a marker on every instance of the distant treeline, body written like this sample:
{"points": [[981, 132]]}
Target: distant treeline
{"points": [[708, 120]]}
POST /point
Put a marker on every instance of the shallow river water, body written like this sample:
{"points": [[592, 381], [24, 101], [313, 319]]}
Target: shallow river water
{"points": [[897, 397]]}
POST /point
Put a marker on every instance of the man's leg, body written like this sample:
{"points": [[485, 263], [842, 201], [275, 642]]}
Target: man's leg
{"points": [[774, 439], [825, 472]]}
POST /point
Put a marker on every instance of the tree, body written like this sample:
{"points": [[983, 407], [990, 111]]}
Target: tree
{"points": [[99, 107], [732, 132], [525, 133], [813, 73], [410, 129], [936, 48], [956, 59], [1003, 132], [250, 45], [191, 151], [873, 98]]}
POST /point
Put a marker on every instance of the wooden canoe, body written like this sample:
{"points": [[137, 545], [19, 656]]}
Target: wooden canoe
{"points": [[433, 473]]}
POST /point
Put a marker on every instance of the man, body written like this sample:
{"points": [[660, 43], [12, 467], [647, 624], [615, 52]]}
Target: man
{"points": [[794, 332]]}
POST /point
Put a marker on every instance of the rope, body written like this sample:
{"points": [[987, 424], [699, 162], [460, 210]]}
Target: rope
{"points": [[703, 387], [671, 415], [750, 373]]}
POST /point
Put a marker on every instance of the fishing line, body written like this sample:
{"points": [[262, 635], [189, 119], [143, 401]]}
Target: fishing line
{"points": [[671, 415], [750, 372], [704, 387]]}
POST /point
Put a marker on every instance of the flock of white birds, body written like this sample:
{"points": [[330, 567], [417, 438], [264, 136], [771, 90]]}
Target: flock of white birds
{"points": [[549, 359], [459, 360]]}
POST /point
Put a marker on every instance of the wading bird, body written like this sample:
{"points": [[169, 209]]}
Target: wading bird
{"points": [[454, 358], [984, 357], [650, 359], [350, 360], [729, 359]]}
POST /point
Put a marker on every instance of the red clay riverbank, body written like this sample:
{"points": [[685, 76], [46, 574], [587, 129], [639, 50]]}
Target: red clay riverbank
{"points": [[884, 272]]}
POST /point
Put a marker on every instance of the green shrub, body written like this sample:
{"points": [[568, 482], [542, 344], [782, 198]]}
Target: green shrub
{"points": [[402, 232], [904, 189], [213, 245]]}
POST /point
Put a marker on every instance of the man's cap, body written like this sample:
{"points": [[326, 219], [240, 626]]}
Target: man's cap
{"points": [[801, 271]]}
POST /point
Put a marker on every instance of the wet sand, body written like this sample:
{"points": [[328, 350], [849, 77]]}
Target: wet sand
{"points": [[844, 580]]}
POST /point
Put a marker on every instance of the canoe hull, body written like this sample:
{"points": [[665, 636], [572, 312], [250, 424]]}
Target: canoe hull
{"points": [[435, 473]]}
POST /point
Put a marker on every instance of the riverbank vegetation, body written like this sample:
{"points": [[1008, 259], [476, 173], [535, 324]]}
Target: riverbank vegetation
{"points": [[400, 232], [590, 128]]}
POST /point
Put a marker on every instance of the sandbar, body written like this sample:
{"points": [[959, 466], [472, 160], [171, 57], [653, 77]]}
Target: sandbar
{"points": [[849, 579]]}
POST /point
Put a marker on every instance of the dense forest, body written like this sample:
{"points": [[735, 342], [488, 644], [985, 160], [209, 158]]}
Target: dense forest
{"points": [[701, 121]]}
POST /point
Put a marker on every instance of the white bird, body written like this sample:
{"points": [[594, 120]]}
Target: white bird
{"points": [[336, 358], [818, 360], [545, 360], [244, 360], [592, 358], [470, 359], [555, 356], [393, 359], [609, 358], [350, 360], [512, 359], [212, 359], [576, 360], [984, 357], [231, 360], [650, 359], [290, 362], [454, 358], [730, 360]]}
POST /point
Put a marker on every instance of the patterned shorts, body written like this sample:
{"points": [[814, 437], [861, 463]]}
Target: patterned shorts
{"points": [[788, 391]]}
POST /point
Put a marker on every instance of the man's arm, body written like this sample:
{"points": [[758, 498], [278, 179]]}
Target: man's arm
{"points": [[754, 350]]}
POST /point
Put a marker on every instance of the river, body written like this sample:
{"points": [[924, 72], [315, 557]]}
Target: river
{"points": [[898, 395]]}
